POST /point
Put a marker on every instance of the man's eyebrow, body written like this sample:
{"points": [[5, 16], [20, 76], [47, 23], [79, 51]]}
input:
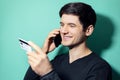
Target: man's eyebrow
{"points": [[72, 24], [68, 23]]}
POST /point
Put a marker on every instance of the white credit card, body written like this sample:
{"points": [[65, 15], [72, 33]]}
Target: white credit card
{"points": [[24, 45]]}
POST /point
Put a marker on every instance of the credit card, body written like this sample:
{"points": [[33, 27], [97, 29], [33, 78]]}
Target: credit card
{"points": [[24, 45]]}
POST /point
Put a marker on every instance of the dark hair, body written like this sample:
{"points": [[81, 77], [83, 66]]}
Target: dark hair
{"points": [[86, 14]]}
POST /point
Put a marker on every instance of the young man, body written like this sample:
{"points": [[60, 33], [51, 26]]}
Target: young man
{"points": [[76, 25]]}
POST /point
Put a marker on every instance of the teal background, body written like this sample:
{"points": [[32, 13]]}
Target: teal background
{"points": [[34, 19]]}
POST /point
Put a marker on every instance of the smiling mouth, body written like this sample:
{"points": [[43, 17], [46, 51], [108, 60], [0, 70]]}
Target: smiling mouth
{"points": [[67, 37]]}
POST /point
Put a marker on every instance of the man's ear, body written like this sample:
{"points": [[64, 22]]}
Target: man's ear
{"points": [[89, 30]]}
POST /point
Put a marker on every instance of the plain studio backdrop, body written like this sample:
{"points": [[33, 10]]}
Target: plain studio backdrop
{"points": [[34, 19]]}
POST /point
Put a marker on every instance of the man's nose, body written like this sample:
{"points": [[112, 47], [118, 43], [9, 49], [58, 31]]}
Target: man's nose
{"points": [[64, 29]]}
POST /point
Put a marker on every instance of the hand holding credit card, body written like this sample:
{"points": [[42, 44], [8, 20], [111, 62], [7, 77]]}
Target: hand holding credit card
{"points": [[24, 45]]}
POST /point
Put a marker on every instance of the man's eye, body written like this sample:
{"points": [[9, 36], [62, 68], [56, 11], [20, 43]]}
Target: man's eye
{"points": [[72, 25], [61, 25]]}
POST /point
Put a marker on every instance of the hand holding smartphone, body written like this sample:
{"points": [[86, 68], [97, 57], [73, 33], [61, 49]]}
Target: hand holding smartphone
{"points": [[57, 40]]}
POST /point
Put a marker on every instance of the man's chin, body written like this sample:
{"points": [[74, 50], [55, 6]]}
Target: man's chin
{"points": [[65, 44]]}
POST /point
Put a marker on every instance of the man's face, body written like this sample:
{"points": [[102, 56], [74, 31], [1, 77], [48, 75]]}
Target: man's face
{"points": [[71, 30]]}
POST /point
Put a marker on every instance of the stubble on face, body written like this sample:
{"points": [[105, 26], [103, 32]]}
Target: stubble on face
{"points": [[71, 31]]}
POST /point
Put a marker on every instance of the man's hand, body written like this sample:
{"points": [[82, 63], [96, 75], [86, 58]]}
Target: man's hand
{"points": [[49, 44], [38, 60]]}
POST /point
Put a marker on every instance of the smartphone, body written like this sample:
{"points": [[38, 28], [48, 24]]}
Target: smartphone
{"points": [[24, 45], [57, 40]]}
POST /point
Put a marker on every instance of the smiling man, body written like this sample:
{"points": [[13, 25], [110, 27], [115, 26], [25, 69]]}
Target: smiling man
{"points": [[76, 25]]}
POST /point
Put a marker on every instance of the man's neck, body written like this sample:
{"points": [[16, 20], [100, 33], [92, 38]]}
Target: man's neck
{"points": [[78, 51]]}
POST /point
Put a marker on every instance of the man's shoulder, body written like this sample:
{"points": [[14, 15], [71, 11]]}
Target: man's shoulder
{"points": [[97, 60]]}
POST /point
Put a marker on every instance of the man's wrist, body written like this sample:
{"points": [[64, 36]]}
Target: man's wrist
{"points": [[44, 50], [47, 72]]}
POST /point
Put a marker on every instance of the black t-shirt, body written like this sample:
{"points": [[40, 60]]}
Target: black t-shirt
{"points": [[90, 67]]}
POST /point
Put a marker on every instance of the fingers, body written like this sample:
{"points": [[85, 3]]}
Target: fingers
{"points": [[47, 41], [33, 59], [32, 54], [39, 63], [35, 47], [54, 33]]}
